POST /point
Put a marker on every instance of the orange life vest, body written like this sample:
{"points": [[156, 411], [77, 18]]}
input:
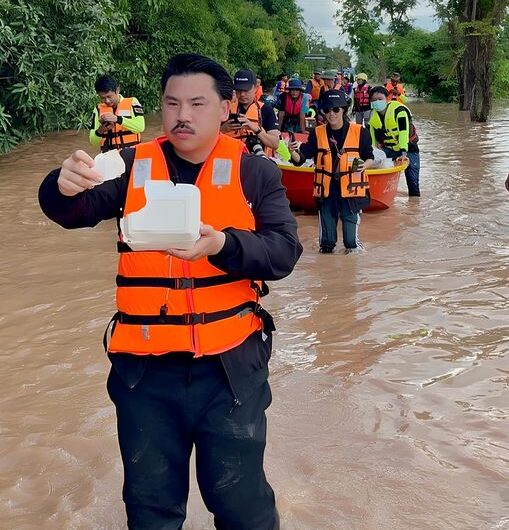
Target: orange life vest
{"points": [[395, 97], [253, 114], [315, 90], [166, 304], [352, 184], [119, 137]]}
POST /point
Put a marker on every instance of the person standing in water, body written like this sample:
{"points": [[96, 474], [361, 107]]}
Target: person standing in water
{"points": [[392, 129], [190, 342], [340, 189], [117, 121]]}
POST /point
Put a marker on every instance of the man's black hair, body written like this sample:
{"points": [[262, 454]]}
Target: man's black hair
{"points": [[192, 63], [105, 83], [378, 90]]}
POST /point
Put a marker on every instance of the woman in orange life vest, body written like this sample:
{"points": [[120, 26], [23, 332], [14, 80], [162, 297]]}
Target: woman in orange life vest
{"points": [[340, 192], [291, 115], [117, 121], [191, 344]]}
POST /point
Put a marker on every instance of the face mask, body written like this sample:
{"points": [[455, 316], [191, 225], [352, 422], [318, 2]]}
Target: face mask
{"points": [[379, 105]]}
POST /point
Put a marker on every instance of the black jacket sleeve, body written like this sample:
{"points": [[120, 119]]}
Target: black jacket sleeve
{"points": [[365, 147], [272, 250]]}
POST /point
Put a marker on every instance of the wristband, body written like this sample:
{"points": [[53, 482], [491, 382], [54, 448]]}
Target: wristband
{"points": [[259, 131]]}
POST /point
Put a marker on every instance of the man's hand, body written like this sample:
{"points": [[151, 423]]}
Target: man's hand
{"points": [[108, 117], [210, 243], [230, 126], [401, 159], [77, 174], [248, 124], [104, 128]]}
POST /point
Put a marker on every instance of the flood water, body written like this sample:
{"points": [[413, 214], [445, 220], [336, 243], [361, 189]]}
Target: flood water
{"points": [[390, 375]]}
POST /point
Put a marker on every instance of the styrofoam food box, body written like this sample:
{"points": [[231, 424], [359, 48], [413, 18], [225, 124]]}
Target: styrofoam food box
{"points": [[170, 219]]}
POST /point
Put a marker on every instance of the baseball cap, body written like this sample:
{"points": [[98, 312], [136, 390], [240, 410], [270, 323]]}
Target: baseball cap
{"points": [[333, 98], [244, 80], [295, 84]]}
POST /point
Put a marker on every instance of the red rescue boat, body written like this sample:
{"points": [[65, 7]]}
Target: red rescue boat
{"points": [[298, 181]]}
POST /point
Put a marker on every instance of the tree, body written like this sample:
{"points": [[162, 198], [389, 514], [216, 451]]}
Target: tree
{"points": [[362, 21], [474, 25]]}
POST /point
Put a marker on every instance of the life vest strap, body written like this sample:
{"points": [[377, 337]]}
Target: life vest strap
{"points": [[187, 319], [175, 283]]}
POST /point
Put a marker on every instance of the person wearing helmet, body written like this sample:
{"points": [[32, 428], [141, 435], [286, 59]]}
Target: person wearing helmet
{"points": [[341, 189], [292, 108]]}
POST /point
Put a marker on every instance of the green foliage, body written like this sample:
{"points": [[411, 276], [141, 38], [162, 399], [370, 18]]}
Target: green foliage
{"points": [[51, 51], [336, 57], [427, 61]]}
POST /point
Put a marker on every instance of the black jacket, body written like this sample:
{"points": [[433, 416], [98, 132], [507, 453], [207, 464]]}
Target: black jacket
{"points": [[268, 253]]}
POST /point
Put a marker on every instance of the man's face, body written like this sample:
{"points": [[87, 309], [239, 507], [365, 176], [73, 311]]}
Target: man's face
{"points": [[328, 82], [294, 93], [394, 80], [109, 98], [192, 112], [360, 81], [246, 97], [317, 77]]}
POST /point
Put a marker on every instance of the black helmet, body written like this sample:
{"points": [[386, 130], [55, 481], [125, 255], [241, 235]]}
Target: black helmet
{"points": [[333, 98]]}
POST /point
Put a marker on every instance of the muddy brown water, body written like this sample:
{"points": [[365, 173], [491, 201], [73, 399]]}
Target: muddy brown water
{"points": [[390, 373]]}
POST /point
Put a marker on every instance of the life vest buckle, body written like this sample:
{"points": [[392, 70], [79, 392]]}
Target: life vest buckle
{"points": [[191, 319], [184, 283]]}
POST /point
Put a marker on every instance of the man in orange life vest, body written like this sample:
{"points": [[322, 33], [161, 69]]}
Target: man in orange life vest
{"points": [[250, 120], [340, 192], [117, 121], [191, 343], [314, 87], [396, 89]]}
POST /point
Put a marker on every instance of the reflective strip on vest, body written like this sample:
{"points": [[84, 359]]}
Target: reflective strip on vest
{"points": [[389, 125], [119, 137], [352, 184], [161, 308]]}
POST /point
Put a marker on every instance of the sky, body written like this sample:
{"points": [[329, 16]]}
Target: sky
{"points": [[319, 14]]}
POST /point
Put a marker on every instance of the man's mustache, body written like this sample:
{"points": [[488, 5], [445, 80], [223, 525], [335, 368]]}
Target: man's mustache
{"points": [[182, 125]]}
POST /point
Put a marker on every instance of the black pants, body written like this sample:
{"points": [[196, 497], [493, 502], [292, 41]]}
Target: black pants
{"points": [[180, 402]]}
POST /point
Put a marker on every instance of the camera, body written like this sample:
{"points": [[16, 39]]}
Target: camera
{"points": [[254, 146], [233, 117]]}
